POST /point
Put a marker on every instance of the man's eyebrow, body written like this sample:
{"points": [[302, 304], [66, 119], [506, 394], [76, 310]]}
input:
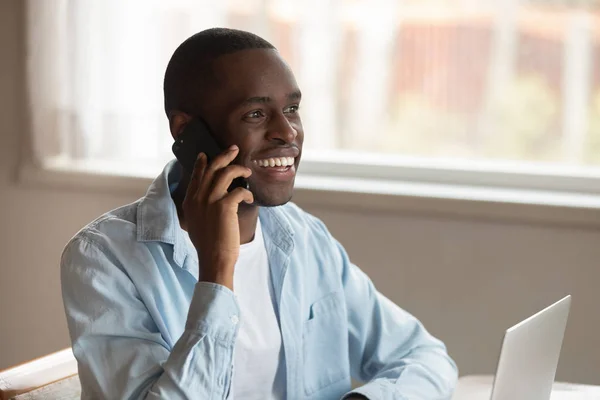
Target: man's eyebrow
{"points": [[257, 99], [297, 95]]}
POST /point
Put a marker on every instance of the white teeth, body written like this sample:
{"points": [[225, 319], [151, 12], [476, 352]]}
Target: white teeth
{"points": [[275, 162]]}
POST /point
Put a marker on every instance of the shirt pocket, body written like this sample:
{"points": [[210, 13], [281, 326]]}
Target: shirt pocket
{"points": [[325, 344]]}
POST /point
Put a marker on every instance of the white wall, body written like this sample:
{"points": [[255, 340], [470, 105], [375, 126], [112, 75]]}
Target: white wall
{"points": [[466, 279]]}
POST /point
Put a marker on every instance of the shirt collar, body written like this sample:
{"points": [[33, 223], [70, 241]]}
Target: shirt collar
{"points": [[277, 227], [157, 219]]}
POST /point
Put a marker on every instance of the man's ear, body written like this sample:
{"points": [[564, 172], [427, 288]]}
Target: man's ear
{"points": [[177, 121]]}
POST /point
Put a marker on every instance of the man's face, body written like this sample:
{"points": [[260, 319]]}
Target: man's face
{"points": [[255, 106]]}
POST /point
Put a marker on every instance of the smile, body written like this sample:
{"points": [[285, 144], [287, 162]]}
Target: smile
{"points": [[275, 162]]}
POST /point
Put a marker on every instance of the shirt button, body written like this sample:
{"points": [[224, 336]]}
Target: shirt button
{"points": [[235, 319]]}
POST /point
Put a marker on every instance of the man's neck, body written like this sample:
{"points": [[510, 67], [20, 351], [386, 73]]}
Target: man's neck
{"points": [[248, 218], [247, 214]]}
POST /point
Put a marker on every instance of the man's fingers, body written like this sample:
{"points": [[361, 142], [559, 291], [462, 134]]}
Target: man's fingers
{"points": [[219, 162], [197, 175], [223, 179], [237, 196]]}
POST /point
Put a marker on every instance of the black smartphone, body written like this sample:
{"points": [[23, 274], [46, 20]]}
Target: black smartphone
{"points": [[194, 139]]}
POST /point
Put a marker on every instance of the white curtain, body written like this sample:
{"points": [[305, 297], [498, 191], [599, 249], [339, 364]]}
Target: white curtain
{"points": [[399, 77], [95, 73], [95, 70]]}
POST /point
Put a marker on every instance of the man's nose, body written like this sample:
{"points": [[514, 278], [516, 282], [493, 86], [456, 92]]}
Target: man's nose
{"points": [[280, 128]]}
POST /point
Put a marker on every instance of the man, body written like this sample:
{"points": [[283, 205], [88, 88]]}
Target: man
{"points": [[195, 292]]}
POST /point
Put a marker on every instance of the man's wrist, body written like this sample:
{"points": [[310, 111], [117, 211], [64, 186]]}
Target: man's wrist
{"points": [[219, 273], [218, 279]]}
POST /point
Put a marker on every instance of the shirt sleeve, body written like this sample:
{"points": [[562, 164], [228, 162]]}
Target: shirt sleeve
{"points": [[389, 348], [120, 351]]}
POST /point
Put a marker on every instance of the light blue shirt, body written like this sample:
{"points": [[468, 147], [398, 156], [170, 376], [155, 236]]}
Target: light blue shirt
{"points": [[142, 326]]}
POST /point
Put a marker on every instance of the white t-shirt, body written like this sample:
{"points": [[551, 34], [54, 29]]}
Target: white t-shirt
{"points": [[258, 355]]}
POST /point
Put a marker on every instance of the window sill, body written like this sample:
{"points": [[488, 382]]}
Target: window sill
{"points": [[363, 195]]}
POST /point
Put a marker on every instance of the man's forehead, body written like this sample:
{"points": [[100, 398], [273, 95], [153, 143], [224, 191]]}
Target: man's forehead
{"points": [[251, 64], [256, 73]]}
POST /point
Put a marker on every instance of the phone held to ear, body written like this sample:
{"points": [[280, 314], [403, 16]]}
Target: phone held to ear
{"points": [[194, 139]]}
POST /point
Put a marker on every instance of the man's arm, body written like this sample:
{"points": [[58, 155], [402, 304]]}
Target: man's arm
{"points": [[119, 348], [389, 348], [120, 352]]}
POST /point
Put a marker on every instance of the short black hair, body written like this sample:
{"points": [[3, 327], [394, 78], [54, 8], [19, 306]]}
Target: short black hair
{"points": [[190, 68]]}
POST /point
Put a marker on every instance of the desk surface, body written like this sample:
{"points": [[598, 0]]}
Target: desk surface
{"points": [[479, 387]]}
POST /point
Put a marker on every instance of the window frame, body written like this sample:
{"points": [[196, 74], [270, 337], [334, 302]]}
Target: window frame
{"points": [[412, 187]]}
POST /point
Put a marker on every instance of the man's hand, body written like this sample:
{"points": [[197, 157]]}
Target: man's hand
{"points": [[210, 214]]}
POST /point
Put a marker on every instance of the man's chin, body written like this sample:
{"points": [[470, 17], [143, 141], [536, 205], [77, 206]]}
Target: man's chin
{"points": [[269, 195], [271, 201]]}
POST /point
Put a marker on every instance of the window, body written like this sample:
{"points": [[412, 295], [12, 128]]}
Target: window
{"points": [[475, 83]]}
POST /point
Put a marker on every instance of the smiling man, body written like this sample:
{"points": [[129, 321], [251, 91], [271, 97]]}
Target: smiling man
{"points": [[197, 292]]}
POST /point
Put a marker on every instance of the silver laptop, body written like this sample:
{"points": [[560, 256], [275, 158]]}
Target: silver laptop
{"points": [[529, 355]]}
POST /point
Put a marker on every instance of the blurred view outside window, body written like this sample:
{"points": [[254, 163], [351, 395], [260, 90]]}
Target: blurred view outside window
{"points": [[467, 79]]}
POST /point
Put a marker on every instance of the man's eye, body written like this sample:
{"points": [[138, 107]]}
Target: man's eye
{"points": [[292, 109], [254, 114]]}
